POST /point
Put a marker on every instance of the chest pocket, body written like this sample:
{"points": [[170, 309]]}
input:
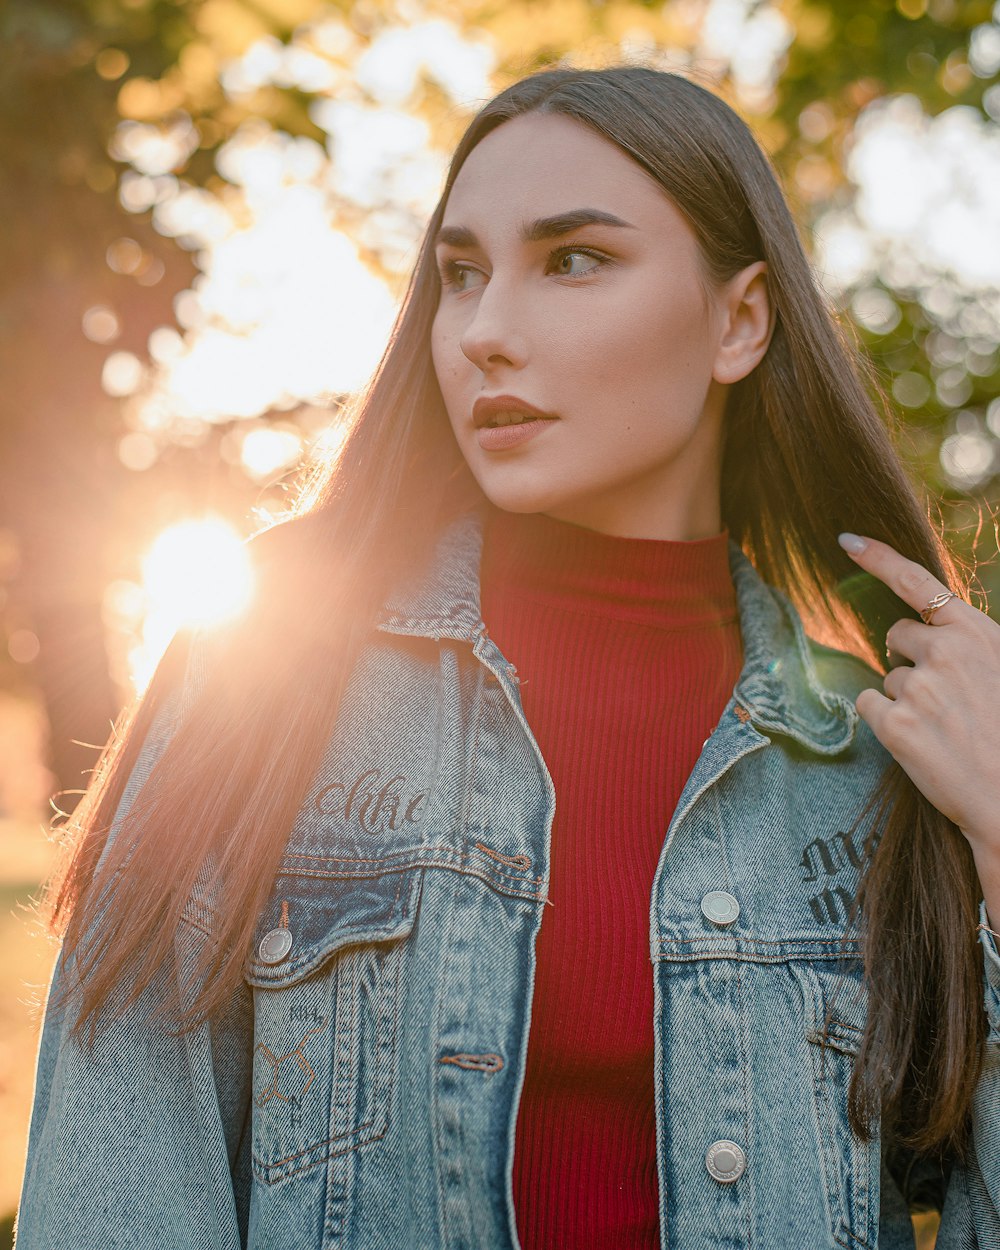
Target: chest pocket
{"points": [[835, 1017], [326, 973]]}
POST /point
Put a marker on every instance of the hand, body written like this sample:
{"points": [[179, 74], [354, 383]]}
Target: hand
{"points": [[940, 719]]}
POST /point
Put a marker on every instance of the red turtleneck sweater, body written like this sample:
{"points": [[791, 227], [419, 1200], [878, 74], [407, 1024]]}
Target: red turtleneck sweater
{"points": [[627, 651]]}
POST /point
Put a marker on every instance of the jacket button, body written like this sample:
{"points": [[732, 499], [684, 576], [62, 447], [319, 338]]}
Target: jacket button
{"points": [[274, 946], [719, 907], [725, 1161]]}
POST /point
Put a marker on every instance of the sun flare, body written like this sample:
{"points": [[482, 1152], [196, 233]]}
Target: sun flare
{"points": [[196, 574]]}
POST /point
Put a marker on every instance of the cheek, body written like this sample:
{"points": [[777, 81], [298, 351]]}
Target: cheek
{"points": [[447, 357], [437, 356], [441, 360], [664, 347], [447, 370], [643, 336]]}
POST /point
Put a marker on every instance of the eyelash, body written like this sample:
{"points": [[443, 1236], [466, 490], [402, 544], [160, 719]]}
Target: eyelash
{"points": [[451, 269]]}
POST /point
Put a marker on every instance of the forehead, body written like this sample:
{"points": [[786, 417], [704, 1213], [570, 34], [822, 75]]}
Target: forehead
{"points": [[547, 163]]}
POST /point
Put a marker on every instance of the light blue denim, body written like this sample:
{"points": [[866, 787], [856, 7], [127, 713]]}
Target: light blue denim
{"points": [[362, 1092]]}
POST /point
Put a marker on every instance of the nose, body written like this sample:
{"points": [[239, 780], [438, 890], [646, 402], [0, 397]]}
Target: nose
{"points": [[494, 334]]}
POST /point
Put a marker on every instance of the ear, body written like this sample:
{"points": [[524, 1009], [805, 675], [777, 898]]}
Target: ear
{"points": [[747, 323]]}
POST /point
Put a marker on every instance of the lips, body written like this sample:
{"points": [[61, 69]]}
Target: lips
{"points": [[488, 412]]}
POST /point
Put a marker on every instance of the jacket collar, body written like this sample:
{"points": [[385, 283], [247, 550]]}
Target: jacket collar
{"points": [[778, 686]]}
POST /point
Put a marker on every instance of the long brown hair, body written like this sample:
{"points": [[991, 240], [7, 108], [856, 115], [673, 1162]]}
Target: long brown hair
{"points": [[807, 456]]}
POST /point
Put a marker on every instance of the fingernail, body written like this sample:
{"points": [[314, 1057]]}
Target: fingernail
{"points": [[852, 543]]}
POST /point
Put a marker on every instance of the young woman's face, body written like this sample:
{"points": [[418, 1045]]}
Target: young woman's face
{"points": [[571, 285]]}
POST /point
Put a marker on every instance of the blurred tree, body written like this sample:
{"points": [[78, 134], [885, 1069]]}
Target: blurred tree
{"points": [[112, 110], [60, 305], [934, 340], [80, 274]]}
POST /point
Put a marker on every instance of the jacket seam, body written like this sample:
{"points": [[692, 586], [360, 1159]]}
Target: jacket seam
{"points": [[738, 943], [414, 861]]}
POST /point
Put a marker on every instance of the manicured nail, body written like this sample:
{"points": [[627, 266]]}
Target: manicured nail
{"points": [[852, 543]]}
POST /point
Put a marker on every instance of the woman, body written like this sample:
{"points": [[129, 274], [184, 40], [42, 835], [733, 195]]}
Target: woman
{"points": [[293, 1004]]}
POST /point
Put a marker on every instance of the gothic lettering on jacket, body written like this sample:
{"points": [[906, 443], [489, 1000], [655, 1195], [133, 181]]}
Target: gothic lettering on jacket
{"points": [[374, 801], [822, 859]]}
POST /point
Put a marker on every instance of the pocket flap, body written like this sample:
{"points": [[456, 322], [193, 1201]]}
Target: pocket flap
{"points": [[322, 916]]}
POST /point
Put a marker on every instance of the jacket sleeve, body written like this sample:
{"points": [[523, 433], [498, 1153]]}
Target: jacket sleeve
{"points": [[135, 1142], [971, 1215]]}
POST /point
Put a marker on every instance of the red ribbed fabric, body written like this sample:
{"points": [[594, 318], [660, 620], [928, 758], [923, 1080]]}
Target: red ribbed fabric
{"points": [[627, 651]]}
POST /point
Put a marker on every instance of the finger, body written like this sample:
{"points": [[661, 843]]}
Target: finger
{"points": [[896, 679], [873, 709], [908, 640], [914, 584]]}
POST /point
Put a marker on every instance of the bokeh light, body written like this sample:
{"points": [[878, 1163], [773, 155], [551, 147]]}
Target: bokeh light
{"points": [[926, 215], [269, 449]]}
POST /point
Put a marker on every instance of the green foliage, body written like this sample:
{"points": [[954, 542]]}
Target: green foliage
{"points": [[939, 365], [73, 69]]}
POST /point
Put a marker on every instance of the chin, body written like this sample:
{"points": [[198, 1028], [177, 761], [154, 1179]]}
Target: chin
{"points": [[511, 497]]}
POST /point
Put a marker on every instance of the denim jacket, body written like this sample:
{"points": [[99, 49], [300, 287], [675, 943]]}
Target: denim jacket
{"points": [[361, 1091]]}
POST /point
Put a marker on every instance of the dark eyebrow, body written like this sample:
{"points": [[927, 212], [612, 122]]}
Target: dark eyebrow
{"points": [[541, 228]]}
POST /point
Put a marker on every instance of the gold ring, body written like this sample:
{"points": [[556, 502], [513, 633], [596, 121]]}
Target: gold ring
{"points": [[932, 605]]}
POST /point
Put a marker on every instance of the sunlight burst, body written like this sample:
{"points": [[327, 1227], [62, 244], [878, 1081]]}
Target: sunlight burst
{"points": [[196, 574], [199, 572]]}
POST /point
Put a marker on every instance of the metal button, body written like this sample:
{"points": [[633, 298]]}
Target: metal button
{"points": [[719, 907], [725, 1161], [274, 946]]}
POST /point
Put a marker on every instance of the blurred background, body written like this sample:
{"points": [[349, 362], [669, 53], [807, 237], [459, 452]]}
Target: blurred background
{"points": [[209, 208]]}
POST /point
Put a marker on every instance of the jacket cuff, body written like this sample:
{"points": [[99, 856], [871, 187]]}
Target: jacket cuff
{"points": [[991, 968]]}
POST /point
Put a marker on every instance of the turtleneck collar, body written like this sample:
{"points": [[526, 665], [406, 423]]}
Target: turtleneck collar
{"points": [[668, 584]]}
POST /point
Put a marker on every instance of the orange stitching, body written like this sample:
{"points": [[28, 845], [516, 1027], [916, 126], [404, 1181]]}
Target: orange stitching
{"points": [[195, 924], [396, 996], [746, 1069], [309, 1149], [300, 1058], [266, 1170], [837, 1033], [835, 1022], [490, 880], [515, 861], [478, 1063], [438, 850], [496, 878], [334, 1154], [354, 1132], [855, 1239], [747, 942], [284, 913], [469, 787]]}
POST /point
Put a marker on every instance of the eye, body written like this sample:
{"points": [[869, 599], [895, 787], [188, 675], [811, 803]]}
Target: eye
{"points": [[455, 274], [564, 258]]}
